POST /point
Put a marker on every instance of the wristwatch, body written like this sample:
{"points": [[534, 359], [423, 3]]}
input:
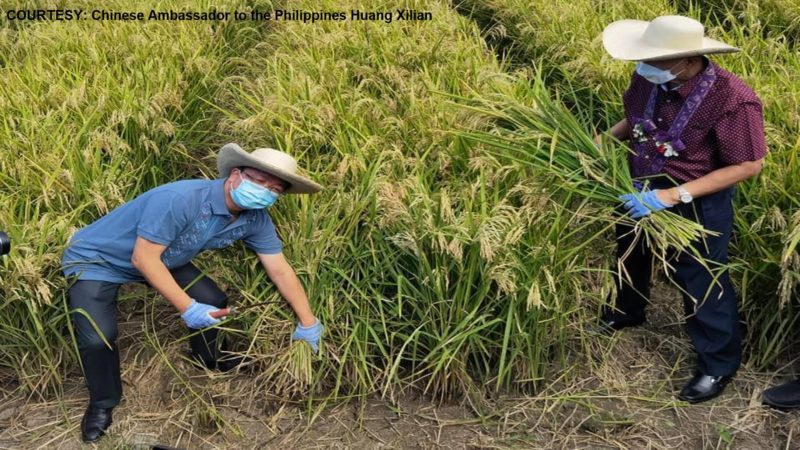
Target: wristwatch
{"points": [[685, 196]]}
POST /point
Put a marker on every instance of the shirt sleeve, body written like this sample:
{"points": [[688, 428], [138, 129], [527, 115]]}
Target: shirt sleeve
{"points": [[740, 134], [263, 238], [163, 217]]}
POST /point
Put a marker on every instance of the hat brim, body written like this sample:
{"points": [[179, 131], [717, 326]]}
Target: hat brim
{"points": [[232, 156], [623, 40]]}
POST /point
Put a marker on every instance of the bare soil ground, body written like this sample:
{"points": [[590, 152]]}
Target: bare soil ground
{"points": [[621, 397]]}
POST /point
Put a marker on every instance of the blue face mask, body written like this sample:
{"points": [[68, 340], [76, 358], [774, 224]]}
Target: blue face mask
{"points": [[654, 74], [252, 196]]}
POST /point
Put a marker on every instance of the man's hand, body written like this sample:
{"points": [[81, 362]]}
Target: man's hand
{"points": [[199, 315], [641, 204], [310, 334]]}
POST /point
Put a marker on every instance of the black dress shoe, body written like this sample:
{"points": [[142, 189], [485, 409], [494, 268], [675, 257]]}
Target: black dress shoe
{"points": [[784, 396], [703, 387], [95, 423], [609, 326]]}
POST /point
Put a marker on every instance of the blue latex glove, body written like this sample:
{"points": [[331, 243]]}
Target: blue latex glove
{"points": [[196, 315], [642, 204], [310, 334]]}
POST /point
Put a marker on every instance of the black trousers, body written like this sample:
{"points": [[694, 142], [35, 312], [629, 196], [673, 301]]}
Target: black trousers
{"points": [[99, 354], [712, 321]]}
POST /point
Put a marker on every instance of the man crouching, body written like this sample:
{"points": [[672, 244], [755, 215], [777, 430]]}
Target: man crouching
{"points": [[153, 238]]}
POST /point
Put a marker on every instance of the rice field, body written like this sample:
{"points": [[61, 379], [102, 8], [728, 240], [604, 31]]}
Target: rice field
{"points": [[449, 265]]}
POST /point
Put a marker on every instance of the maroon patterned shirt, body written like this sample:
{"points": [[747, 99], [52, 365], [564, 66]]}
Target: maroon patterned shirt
{"points": [[727, 128]]}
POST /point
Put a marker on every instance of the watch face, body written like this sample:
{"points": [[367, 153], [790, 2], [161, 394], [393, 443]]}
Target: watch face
{"points": [[686, 198]]}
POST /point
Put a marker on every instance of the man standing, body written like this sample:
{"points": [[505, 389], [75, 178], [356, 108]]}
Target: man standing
{"points": [[153, 239], [695, 130]]}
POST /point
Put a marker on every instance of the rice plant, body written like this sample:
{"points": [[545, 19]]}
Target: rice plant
{"points": [[93, 114], [422, 278]]}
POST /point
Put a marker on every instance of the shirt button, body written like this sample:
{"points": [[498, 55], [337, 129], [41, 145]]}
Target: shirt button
{"points": [[646, 157], [659, 119]]}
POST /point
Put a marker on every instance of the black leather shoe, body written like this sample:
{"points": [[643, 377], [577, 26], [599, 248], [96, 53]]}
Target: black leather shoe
{"points": [[784, 396], [703, 387], [609, 326], [95, 423]]}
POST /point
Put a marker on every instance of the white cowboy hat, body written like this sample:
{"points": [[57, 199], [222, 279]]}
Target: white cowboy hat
{"points": [[268, 160], [666, 37]]}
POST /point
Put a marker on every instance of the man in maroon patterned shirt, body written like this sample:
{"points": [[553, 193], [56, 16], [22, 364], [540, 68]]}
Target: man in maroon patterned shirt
{"points": [[695, 130]]}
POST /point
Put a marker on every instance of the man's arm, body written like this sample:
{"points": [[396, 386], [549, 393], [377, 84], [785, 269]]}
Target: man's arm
{"points": [[146, 259], [741, 145], [714, 181], [282, 274]]}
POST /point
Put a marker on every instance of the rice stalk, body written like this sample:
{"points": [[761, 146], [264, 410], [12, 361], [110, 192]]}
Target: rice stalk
{"points": [[550, 140]]}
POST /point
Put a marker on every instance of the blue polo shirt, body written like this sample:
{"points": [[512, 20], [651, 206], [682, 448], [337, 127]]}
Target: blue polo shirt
{"points": [[186, 216]]}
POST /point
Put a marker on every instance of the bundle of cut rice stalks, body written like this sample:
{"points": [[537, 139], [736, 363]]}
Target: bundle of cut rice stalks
{"points": [[547, 138]]}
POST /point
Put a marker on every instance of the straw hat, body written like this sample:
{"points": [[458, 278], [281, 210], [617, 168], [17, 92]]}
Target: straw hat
{"points": [[267, 160], [666, 37]]}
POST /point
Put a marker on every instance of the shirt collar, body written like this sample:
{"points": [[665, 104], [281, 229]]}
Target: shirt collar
{"points": [[218, 205], [686, 88], [666, 87]]}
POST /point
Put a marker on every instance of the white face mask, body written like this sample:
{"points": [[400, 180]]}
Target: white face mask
{"points": [[655, 75]]}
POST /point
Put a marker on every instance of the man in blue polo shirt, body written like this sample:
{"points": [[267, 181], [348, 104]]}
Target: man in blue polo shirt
{"points": [[153, 238]]}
